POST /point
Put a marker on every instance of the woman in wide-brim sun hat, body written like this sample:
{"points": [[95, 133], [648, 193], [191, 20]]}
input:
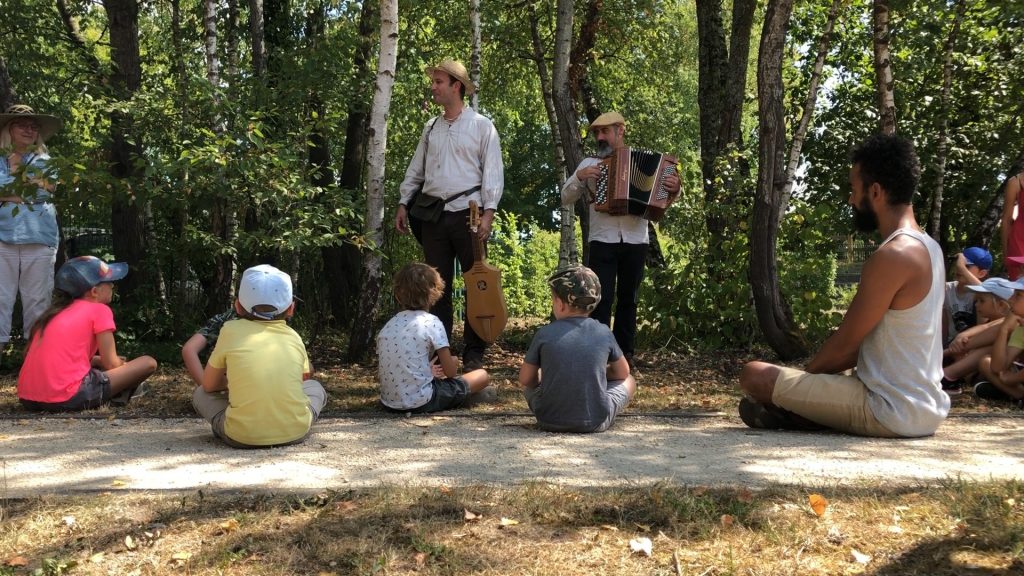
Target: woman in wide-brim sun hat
{"points": [[28, 219]]}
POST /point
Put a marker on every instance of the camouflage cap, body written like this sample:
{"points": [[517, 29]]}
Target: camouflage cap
{"points": [[577, 285]]}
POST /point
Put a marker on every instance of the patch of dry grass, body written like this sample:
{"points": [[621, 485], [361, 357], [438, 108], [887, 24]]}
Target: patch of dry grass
{"points": [[542, 529]]}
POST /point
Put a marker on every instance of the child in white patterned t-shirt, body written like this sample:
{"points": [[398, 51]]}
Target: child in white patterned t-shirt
{"points": [[417, 371]]}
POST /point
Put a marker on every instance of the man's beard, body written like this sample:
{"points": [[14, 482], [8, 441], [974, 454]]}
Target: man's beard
{"points": [[864, 217], [604, 149]]}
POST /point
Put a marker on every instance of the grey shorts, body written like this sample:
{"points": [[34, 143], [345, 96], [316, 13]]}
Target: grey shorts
{"points": [[93, 392], [618, 397], [448, 393]]}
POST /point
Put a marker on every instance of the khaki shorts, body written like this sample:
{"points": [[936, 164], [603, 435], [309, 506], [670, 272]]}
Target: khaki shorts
{"points": [[834, 400]]}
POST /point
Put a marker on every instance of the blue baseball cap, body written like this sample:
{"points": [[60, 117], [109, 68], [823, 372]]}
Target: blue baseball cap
{"points": [[78, 275], [999, 287], [978, 257]]}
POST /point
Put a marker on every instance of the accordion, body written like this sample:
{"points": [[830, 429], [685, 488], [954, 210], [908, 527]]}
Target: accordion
{"points": [[632, 181]]}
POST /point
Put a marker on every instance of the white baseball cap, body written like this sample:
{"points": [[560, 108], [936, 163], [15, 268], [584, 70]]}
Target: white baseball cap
{"points": [[265, 285]]}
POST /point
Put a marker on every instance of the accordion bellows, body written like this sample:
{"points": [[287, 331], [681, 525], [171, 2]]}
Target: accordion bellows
{"points": [[632, 181]]}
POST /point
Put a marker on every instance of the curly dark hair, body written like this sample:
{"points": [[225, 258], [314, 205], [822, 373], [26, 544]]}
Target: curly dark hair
{"points": [[418, 286], [891, 162]]}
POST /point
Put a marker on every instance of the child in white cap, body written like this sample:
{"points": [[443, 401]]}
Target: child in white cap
{"points": [[256, 389]]}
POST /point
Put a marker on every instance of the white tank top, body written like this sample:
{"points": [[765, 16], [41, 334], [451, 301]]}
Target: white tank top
{"points": [[900, 360]]}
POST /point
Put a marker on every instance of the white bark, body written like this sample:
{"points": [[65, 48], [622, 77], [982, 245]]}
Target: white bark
{"points": [[379, 125], [210, 42], [797, 145], [474, 62], [361, 334], [883, 69]]}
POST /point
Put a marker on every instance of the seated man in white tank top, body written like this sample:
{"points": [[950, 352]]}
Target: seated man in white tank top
{"points": [[891, 335]]}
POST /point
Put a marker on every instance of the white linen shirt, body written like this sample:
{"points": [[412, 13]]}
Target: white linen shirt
{"points": [[604, 227], [461, 155]]}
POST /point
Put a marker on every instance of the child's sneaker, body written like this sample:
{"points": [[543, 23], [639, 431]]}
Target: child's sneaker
{"points": [[951, 387], [989, 391]]}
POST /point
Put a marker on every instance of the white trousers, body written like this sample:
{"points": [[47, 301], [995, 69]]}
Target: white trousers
{"points": [[28, 269]]}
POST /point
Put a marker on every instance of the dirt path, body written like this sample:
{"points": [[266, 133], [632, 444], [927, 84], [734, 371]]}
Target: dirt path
{"points": [[70, 455]]}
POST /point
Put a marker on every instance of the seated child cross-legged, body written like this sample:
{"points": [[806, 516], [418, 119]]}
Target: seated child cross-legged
{"points": [[964, 353], [574, 376], [205, 338], [261, 364], [1003, 381], [412, 378], [62, 371]]}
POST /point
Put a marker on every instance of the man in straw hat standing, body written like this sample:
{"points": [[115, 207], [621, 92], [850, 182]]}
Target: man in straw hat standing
{"points": [[28, 219], [618, 243], [457, 160]]}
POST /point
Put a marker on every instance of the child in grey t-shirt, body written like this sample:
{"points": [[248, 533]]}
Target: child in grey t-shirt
{"points": [[574, 376]]}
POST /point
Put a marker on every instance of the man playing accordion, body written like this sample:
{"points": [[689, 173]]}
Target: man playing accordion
{"points": [[618, 242]]}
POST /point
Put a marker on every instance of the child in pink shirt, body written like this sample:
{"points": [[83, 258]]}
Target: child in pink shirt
{"points": [[62, 371]]}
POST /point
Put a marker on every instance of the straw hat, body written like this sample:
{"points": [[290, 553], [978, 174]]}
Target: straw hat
{"points": [[456, 70], [48, 125]]}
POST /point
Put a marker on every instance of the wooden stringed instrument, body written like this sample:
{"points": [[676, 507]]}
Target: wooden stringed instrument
{"points": [[485, 302]]}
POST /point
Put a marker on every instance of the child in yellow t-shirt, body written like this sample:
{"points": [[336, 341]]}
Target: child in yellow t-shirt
{"points": [[261, 364]]}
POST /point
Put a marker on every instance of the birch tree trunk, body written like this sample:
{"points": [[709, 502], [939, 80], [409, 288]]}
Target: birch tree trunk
{"points": [[231, 42], [219, 284], [567, 249], [361, 335], [883, 69], [797, 145], [474, 60], [565, 113], [773, 313], [258, 50], [935, 215]]}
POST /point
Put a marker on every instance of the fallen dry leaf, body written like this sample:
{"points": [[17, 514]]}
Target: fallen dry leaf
{"points": [[818, 503], [469, 516], [181, 556], [745, 495], [609, 527], [642, 546], [1010, 502], [727, 520], [229, 525], [129, 542], [504, 522], [642, 527], [16, 561], [97, 558]]}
